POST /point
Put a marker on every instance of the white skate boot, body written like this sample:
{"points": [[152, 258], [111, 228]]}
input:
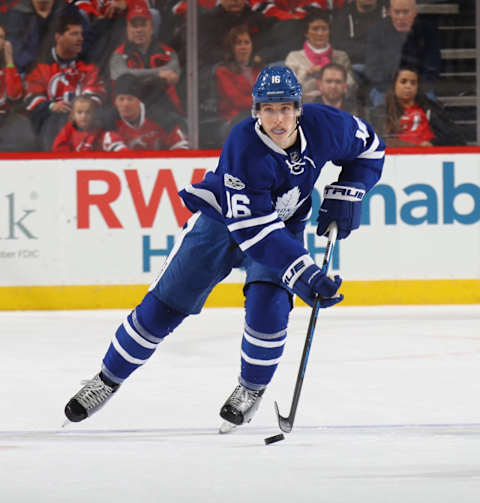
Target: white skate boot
{"points": [[240, 408], [93, 396]]}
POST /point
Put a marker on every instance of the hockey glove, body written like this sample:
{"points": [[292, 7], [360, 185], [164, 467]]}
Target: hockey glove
{"points": [[307, 280], [342, 201]]}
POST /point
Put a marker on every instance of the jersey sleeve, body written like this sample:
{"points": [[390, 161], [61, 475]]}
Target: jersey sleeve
{"points": [[363, 153]]}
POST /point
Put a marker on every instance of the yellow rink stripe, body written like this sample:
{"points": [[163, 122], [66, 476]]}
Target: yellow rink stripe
{"points": [[357, 293]]}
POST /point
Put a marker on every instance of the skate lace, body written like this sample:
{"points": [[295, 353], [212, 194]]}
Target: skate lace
{"points": [[243, 396], [93, 393]]}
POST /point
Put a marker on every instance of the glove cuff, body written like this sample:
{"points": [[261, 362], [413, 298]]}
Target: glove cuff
{"points": [[346, 192], [296, 269]]}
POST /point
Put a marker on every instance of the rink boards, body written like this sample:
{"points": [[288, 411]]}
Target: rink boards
{"points": [[91, 232]]}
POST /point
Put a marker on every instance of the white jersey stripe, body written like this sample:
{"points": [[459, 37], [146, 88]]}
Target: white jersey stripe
{"points": [[129, 358], [137, 338], [263, 363], [205, 195], [263, 344], [262, 234], [252, 222]]}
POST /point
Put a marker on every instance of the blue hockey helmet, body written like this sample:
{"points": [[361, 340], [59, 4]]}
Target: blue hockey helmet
{"points": [[276, 84]]}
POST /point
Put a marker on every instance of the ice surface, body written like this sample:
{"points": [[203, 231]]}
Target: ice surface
{"points": [[389, 412]]}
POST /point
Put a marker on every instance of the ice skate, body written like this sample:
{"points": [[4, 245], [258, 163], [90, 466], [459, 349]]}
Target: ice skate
{"points": [[92, 397], [239, 408]]}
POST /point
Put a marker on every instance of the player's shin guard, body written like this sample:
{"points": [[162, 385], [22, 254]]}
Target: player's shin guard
{"points": [[267, 310], [138, 337]]}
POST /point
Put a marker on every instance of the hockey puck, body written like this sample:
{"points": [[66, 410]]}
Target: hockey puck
{"points": [[275, 438]]}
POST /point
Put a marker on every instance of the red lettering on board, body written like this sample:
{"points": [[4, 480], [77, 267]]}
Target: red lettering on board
{"points": [[102, 201]]}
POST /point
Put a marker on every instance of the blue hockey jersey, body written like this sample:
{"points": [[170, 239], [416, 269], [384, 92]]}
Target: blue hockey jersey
{"points": [[263, 193]]}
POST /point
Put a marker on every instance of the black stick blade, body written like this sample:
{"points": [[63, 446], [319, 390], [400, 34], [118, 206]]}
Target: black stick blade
{"points": [[283, 422]]}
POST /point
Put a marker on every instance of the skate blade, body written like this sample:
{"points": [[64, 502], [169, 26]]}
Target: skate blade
{"points": [[227, 427]]}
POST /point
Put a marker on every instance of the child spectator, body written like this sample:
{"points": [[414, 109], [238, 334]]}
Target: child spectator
{"points": [[409, 118], [236, 77], [316, 53], [137, 130], [82, 134], [16, 133], [58, 78]]}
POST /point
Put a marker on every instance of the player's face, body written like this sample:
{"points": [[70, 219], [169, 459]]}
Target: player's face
{"points": [[242, 48], [403, 14], [318, 33], [140, 31], [70, 42], [128, 107], [333, 85], [279, 121], [406, 87], [82, 114]]}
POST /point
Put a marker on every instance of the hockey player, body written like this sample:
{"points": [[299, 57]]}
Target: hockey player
{"points": [[251, 213]]}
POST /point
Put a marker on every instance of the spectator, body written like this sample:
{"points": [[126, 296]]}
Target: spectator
{"points": [[214, 25], [138, 131], [410, 118], [398, 40], [286, 30], [350, 28], [316, 53], [332, 86], [82, 134], [58, 78], [235, 78], [16, 133], [30, 29], [153, 63]]}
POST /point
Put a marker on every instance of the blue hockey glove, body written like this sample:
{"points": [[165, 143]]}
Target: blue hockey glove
{"points": [[307, 280], [342, 201]]}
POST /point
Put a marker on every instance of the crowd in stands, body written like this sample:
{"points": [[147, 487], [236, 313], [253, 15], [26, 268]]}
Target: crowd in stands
{"points": [[86, 75]]}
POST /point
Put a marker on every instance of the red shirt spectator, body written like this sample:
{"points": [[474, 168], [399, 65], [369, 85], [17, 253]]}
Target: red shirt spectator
{"points": [[292, 9]]}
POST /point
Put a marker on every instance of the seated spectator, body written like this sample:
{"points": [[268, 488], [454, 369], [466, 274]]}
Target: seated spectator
{"points": [[235, 78], [409, 118], [30, 28], [16, 134], [153, 63], [350, 28], [138, 131], [286, 30], [57, 78], [332, 86], [398, 40], [82, 134], [315, 54], [214, 25]]}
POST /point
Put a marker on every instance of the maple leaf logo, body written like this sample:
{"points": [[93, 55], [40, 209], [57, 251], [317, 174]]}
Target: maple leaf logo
{"points": [[288, 203]]}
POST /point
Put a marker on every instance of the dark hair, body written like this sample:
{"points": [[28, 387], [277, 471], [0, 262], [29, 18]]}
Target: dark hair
{"points": [[229, 44], [393, 108], [66, 19], [313, 15], [333, 66]]}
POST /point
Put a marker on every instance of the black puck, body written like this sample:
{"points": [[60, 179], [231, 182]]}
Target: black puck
{"points": [[275, 438]]}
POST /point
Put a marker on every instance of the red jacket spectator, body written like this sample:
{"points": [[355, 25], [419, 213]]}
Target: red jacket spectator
{"points": [[55, 80], [71, 139], [148, 135]]}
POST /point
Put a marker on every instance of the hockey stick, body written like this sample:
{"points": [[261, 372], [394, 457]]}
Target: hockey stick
{"points": [[286, 423]]}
